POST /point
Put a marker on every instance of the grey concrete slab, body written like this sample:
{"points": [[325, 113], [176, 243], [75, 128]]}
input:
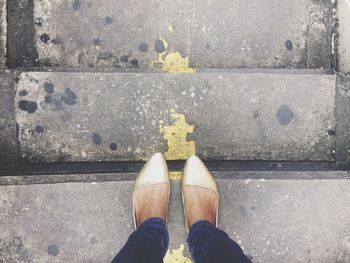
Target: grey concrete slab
{"points": [[221, 34], [3, 33], [21, 49], [27, 179], [343, 120], [8, 131], [320, 30], [273, 220], [344, 35], [220, 115]]}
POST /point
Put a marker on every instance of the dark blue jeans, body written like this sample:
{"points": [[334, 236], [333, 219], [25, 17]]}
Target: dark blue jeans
{"points": [[149, 244]]}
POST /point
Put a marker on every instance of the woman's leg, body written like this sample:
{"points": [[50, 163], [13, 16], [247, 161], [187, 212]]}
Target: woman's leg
{"points": [[208, 244], [148, 244], [201, 202]]}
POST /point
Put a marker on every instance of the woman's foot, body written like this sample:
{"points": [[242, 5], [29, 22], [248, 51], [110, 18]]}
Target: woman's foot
{"points": [[151, 201], [200, 193], [151, 191]]}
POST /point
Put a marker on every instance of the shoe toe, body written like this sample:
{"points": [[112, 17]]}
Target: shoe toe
{"points": [[153, 172], [197, 174]]}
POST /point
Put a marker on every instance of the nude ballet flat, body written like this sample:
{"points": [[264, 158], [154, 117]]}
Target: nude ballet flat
{"points": [[197, 174], [154, 172]]}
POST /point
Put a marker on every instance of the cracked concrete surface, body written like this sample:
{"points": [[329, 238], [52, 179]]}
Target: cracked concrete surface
{"points": [[3, 33], [344, 35], [274, 36], [236, 115], [273, 220]]}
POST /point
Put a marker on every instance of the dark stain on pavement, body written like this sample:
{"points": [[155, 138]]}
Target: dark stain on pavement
{"points": [[45, 38], [28, 106], [159, 46], [69, 97], [289, 45], [39, 129], [49, 87], [53, 250], [143, 47], [23, 93], [113, 146], [134, 62], [284, 115], [96, 138], [108, 20], [76, 5], [105, 55], [124, 58]]}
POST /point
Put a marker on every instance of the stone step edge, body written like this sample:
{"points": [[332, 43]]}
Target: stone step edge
{"points": [[19, 71]]}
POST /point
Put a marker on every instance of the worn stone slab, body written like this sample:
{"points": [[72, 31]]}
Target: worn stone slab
{"points": [[8, 131], [273, 220], [321, 30], [3, 33], [344, 35], [226, 115], [221, 34], [21, 49], [343, 120], [27, 179]]}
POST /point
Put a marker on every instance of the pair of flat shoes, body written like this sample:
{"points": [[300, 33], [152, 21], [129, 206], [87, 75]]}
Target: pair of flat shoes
{"points": [[153, 180]]}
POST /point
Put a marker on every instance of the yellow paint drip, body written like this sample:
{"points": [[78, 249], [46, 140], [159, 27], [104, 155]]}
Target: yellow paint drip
{"points": [[172, 62], [175, 63], [176, 136], [176, 256], [170, 28], [175, 175]]}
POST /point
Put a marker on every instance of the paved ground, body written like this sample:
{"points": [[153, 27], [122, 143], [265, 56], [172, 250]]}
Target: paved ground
{"points": [[8, 137], [343, 120], [273, 220], [246, 34], [221, 115], [257, 115], [344, 35], [3, 33]]}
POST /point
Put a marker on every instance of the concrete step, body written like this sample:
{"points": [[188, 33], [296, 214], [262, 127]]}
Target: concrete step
{"points": [[218, 114], [220, 34], [3, 34], [273, 220]]}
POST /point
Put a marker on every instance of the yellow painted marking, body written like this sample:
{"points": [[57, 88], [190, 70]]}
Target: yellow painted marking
{"points": [[172, 61], [175, 63], [170, 28], [176, 256], [175, 175], [176, 136]]}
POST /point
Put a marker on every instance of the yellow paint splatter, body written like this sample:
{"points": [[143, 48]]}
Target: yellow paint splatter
{"points": [[172, 61], [170, 28], [175, 175], [176, 256], [175, 63], [176, 136]]}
